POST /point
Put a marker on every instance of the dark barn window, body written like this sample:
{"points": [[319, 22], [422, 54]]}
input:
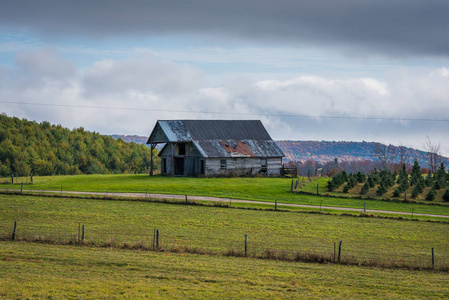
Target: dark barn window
{"points": [[263, 166], [223, 164], [182, 149]]}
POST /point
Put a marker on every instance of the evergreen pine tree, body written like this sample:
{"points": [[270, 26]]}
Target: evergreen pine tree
{"points": [[382, 189], [431, 195], [397, 192], [415, 174], [440, 178], [446, 195], [371, 181], [365, 188], [415, 192]]}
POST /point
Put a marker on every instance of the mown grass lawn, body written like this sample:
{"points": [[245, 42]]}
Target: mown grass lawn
{"points": [[67, 272], [215, 229], [258, 188]]}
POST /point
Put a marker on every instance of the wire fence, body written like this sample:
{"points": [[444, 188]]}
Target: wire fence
{"points": [[231, 242]]}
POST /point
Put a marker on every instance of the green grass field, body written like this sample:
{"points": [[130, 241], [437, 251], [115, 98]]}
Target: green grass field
{"points": [[37, 271], [218, 230], [262, 189]]}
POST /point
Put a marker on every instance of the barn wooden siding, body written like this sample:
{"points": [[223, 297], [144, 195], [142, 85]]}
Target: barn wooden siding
{"points": [[241, 166]]}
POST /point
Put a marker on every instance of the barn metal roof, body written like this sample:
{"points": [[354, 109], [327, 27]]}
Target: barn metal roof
{"points": [[218, 138]]}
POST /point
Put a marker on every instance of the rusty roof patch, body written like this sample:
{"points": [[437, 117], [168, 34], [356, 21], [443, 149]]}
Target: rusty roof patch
{"points": [[237, 148]]}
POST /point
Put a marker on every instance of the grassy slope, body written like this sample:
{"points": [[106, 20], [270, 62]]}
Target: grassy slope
{"points": [[220, 229], [48, 271], [263, 189]]}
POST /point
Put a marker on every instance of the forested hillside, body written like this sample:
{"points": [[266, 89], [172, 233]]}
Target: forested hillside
{"points": [[46, 149]]}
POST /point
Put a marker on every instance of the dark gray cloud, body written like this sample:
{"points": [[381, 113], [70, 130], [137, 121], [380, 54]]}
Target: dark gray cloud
{"points": [[395, 27]]}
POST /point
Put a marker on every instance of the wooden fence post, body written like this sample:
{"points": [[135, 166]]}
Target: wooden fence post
{"points": [[157, 238], [291, 188], [339, 252], [82, 235], [433, 258], [246, 244], [186, 199], [13, 237], [276, 204], [21, 188]]}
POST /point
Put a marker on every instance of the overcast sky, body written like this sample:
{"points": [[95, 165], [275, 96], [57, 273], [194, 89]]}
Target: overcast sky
{"points": [[310, 70]]}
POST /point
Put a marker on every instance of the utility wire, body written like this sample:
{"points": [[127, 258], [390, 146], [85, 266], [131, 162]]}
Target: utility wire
{"points": [[227, 113]]}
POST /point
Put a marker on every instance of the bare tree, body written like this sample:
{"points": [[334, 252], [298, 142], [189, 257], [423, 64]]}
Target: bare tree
{"points": [[433, 154], [385, 153]]}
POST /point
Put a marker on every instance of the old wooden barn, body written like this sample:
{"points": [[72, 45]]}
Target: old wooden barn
{"points": [[216, 148]]}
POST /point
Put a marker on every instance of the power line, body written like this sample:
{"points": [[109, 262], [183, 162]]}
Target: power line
{"points": [[227, 113]]}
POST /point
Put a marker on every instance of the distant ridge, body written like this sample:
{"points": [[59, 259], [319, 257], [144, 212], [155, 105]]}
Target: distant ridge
{"points": [[325, 151], [321, 151], [131, 138]]}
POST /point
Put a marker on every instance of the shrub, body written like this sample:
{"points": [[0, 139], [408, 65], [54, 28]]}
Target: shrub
{"points": [[397, 192]]}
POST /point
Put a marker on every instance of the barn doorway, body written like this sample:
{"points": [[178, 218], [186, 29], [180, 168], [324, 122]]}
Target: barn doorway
{"points": [[179, 166], [164, 166], [202, 167]]}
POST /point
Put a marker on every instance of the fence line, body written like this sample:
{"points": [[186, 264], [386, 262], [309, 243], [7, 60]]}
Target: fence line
{"points": [[236, 244]]}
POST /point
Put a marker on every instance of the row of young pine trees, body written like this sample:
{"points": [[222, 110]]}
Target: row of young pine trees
{"points": [[386, 179]]}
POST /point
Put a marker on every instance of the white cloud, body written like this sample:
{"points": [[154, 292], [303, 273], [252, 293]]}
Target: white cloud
{"points": [[444, 72], [148, 83]]}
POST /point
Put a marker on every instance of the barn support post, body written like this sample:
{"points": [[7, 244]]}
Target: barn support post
{"points": [[173, 159], [152, 165]]}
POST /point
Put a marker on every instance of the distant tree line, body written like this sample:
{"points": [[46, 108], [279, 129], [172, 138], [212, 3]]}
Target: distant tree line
{"points": [[43, 149]]}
